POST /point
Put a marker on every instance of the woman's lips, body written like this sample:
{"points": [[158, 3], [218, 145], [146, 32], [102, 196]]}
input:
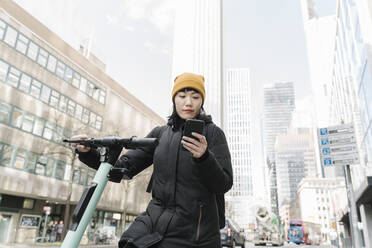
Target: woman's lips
{"points": [[188, 111]]}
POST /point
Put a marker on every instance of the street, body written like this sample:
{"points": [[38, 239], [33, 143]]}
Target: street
{"points": [[248, 244]]}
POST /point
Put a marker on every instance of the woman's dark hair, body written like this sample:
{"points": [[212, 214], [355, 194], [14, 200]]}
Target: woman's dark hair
{"points": [[176, 121]]}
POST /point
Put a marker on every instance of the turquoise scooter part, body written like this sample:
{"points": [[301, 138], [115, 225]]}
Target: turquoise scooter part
{"points": [[86, 207]]}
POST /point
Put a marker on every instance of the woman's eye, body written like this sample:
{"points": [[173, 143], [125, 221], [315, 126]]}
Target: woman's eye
{"points": [[196, 97]]}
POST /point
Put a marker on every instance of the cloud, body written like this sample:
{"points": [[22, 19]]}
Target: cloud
{"points": [[160, 13], [112, 20], [129, 28], [154, 48], [150, 46], [50, 13]]}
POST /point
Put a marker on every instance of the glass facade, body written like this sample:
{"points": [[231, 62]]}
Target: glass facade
{"points": [[15, 117], [42, 92], [279, 103], [365, 98], [43, 165], [30, 49]]}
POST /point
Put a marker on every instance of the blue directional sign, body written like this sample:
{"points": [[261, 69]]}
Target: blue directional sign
{"points": [[337, 145], [325, 141], [326, 151], [324, 131], [327, 161]]}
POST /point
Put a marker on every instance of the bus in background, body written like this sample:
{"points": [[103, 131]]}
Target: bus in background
{"points": [[296, 232]]}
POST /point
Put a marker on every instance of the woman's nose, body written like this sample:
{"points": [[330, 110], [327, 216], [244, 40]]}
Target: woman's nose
{"points": [[188, 101]]}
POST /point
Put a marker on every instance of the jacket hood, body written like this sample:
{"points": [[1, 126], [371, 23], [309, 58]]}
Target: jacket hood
{"points": [[177, 122]]}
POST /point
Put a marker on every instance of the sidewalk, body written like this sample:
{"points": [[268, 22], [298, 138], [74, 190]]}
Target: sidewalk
{"points": [[54, 246]]}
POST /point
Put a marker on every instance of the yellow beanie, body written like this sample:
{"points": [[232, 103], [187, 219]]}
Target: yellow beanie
{"points": [[189, 80]]}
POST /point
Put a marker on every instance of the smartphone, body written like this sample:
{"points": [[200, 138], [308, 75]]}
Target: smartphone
{"points": [[193, 125]]}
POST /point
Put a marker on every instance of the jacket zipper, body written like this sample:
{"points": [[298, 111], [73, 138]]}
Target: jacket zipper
{"points": [[199, 221]]}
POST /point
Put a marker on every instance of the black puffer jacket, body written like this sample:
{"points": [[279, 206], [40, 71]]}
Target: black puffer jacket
{"points": [[183, 211]]}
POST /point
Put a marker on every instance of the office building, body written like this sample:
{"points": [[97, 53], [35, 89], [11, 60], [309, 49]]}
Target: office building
{"points": [[279, 102], [48, 91], [197, 48]]}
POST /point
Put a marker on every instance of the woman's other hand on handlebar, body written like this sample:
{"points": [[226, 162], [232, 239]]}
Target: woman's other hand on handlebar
{"points": [[79, 147]]}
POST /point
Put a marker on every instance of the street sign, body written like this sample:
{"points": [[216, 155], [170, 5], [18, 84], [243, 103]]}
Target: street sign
{"points": [[47, 209], [340, 160], [337, 145]]}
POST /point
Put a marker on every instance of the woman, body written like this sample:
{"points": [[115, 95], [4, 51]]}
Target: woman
{"points": [[188, 173]]}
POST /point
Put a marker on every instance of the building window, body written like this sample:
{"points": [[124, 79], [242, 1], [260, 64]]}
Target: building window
{"points": [[83, 176], [62, 103], [90, 89], [60, 170], [35, 88], [76, 80], [10, 36], [13, 77], [28, 122], [5, 110], [3, 70], [71, 107], [38, 127], [43, 57], [17, 118], [57, 135], [28, 203], [92, 119], [25, 83], [52, 63], [45, 94], [20, 159], [2, 29], [99, 123], [54, 99], [49, 167], [22, 43], [68, 75], [6, 156], [32, 51], [102, 96], [85, 117], [31, 162], [78, 111], [83, 84], [60, 69], [76, 176]]}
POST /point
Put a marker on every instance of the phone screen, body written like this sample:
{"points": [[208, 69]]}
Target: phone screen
{"points": [[193, 125]]}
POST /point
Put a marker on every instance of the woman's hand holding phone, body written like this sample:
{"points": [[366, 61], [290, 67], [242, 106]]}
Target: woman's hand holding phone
{"points": [[196, 146]]}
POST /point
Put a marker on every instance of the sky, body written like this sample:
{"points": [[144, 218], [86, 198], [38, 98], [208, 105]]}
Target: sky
{"points": [[134, 39]]}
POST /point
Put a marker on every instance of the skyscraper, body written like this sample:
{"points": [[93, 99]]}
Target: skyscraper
{"points": [[319, 33], [295, 159], [239, 129], [197, 48], [239, 135], [279, 102]]}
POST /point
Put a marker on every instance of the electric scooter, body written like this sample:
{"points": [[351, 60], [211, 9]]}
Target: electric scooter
{"points": [[92, 193]]}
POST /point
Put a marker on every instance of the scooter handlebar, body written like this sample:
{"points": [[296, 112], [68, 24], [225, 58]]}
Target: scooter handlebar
{"points": [[130, 143]]}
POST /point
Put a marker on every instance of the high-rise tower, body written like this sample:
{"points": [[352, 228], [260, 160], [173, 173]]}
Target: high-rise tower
{"points": [[197, 48], [279, 103], [238, 128]]}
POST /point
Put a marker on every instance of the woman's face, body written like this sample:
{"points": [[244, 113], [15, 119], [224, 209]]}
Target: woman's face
{"points": [[188, 104]]}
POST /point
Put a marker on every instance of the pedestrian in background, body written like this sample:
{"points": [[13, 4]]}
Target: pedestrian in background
{"points": [[49, 231], [59, 231], [188, 175]]}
